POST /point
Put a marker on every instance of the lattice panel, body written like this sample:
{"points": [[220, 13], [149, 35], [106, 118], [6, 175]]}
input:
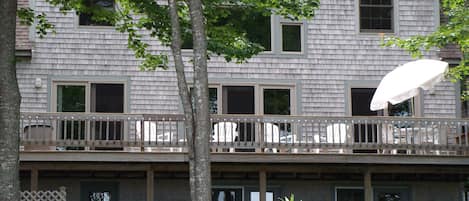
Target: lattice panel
{"points": [[60, 195]]}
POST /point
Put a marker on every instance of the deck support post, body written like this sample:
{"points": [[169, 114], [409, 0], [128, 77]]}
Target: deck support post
{"points": [[262, 185], [367, 185], [150, 184], [34, 179]]}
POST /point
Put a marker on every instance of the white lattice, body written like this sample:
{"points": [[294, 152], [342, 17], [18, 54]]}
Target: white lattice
{"points": [[60, 195]]}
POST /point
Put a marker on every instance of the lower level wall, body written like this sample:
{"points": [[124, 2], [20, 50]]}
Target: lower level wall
{"points": [[177, 189]]}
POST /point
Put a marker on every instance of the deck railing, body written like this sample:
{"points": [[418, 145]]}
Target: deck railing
{"points": [[246, 133]]}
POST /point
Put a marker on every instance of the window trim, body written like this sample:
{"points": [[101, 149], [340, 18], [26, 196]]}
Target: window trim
{"points": [[377, 32], [258, 94], [87, 84], [292, 97], [418, 99]]}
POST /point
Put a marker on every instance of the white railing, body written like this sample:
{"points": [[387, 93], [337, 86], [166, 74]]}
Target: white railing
{"points": [[236, 133]]}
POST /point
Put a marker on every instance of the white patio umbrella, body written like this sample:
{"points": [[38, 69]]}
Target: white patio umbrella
{"points": [[404, 82]]}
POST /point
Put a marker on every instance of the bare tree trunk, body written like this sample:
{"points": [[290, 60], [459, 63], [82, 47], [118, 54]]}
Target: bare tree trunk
{"points": [[202, 122], [9, 105], [176, 43]]}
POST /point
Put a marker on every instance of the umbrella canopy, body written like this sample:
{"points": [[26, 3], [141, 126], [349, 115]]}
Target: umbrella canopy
{"points": [[404, 82]]}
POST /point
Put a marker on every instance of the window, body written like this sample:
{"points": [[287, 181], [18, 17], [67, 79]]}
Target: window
{"points": [[89, 97], [212, 99], [361, 99], [291, 38], [349, 194], [277, 101], [404, 109], [250, 100], [376, 15], [255, 24], [103, 7], [227, 194]]}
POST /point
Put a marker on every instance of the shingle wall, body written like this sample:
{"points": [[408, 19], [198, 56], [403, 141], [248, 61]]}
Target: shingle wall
{"points": [[22, 31], [336, 54]]}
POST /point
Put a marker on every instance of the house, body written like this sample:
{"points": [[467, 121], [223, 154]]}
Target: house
{"points": [[294, 119]]}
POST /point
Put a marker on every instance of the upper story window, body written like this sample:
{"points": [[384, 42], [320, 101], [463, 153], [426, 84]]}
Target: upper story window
{"points": [[376, 15], [256, 25], [292, 38], [91, 18], [275, 34]]}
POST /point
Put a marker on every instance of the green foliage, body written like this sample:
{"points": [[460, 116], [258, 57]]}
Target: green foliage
{"points": [[227, 38], [291, 198], [456, 31], [27, 16]]}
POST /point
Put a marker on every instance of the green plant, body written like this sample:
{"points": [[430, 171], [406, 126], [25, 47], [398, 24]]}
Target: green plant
{"points": [[291, 198]]}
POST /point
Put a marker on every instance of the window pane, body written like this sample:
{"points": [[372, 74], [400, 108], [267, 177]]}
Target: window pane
{"points": [[212, 99], [107, 98], [291, 38], [404, 109], [256, 25], [238, 100], [258, 29], [186, 40], [103, 6], [350, 195], [376, 14], [227, 194], [277, 101], [70, 98]]}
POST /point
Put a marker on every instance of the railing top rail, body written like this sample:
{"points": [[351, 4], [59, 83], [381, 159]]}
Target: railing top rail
{"points": [[100, 116], [289, 118], [241, 118]]}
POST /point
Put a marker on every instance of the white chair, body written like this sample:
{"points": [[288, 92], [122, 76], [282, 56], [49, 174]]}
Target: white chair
{"points": [[271, 135], [337, 134], [225, 133], [151, 136]]}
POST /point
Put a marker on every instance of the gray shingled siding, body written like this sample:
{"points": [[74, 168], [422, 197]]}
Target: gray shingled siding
{"points": [[336, 53]]}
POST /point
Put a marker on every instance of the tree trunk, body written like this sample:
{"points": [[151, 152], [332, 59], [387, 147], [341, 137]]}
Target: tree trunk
{"points": [[184, 94], [202, 173], [9, 105]]}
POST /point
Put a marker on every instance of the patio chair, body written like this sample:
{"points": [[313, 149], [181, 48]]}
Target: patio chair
{"points": [[336, 133], [38, 134], [271, 135], [225, 133]]}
